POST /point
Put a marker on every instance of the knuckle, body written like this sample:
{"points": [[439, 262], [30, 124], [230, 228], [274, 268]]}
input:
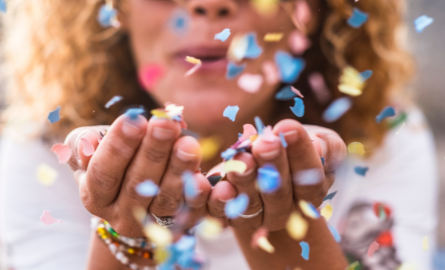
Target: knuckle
{"points": [[255, 203], [102, 178], [121, 149], [279, 195], [155, 155], [130, 188], [167, 203]]}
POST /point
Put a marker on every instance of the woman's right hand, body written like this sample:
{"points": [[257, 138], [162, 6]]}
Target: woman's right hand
{"points": [[135, 150]]}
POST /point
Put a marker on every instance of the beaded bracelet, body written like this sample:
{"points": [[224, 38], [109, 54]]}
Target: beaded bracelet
{"points": [[139, 242]]}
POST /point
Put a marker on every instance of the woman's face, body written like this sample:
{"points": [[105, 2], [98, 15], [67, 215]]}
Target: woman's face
{"points": [[206, 93]]}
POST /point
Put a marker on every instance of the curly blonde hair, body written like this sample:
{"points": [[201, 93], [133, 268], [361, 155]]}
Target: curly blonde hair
{"points": [[58, 55]]}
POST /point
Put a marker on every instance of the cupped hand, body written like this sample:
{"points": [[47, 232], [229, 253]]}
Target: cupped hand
{"points": [[135, 150], [310, 149]]}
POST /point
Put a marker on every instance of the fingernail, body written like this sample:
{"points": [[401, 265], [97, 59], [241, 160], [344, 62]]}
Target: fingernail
{"points": [[245, 173], [77, 144], [322, 146], [184, 156], [224, 201], [270, 155], [131, 128], [291, 136], [163, 133]]}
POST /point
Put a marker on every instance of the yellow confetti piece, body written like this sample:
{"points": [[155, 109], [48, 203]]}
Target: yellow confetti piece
{"points": [[237, 48], [158, 235], [265, 7], [356, 148], [210, 228], [192, 60], [265, 245], [349, 90], [352, 266], [46, 175], [160, 113], [308, 209], [326, 212], [210, 147], [139, 213], [425, 243], [406, 266], [351, 82], [160, 255], [273, 37], [235, 166], [297, 226]]}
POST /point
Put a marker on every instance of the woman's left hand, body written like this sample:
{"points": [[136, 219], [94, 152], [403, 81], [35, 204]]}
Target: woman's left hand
{"points": [[307, 145]]}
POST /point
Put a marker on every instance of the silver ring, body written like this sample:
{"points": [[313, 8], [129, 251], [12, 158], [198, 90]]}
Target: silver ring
{"points": [[253, 215], [165, 222]]}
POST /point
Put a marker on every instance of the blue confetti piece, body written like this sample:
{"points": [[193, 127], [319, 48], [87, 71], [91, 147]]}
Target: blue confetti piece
{"points": [[3, 6], [54, 116], [147, 189], [234, 70], [422, 22], [304, 250], [190, 186], [253, 50], [337, 109], [330, 196], [259, 125], [179, 22], [386, 112], [358, 18], [335, 233], [113, 101], [283, 140], [185, 243], [240, 135], [228, 154], [289, 67], [106, 15], [298, 108], [268, 178], [223, 35], [361, 170], [236, 206], [230, 112], [187, 261], [322, 161], [134, 112], [366, 75], [285, 93]]}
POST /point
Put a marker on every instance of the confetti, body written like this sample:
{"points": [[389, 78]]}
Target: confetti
{"points": [[326, 211], [361, 170], [308, 209], [351, 82], [209, 228], [302, 12], [352, 266], [318, 86], [330, 196], [337, 108], [356, 148], [179, 22], [407, 266], [268, 178], [150, 75], [372, 248], [265, 245], [273, 37], [209, 147], [113, 101], [236, 206], [250, 83], [253, 50], [265, 7], [304, 250], [54, 116], [298, 42], [425, 243], [335, 233], [285, 93], [422, 22], [298, 108], [259, 239], [147, 189], [308, 177], [192, 60], [229, 153], [158, 235], [223, 35], [46, 175], [259, 125], [87, 147], [235, 166], [107, 16], [297, 226], [193, 69], [190, 185], [3, 6], [230, 112], [133, 113], [234, 70], [237, 48], [288, 66], [386, 112], [47, 219], [271, 73], [283, 140], [366, 75], [62, 151], [358, 18]]}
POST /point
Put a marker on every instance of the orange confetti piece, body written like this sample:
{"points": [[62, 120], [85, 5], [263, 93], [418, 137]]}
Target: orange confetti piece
{"points": [[273, 37]]}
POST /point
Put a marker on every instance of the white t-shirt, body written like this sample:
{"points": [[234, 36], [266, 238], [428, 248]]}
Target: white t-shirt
{"points": [[402, 174]]}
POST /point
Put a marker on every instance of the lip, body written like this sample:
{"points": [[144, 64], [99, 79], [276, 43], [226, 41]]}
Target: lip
{"points": [[213, 58]]}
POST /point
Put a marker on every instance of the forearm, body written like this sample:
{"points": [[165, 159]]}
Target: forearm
{"points": [[324, 253]]}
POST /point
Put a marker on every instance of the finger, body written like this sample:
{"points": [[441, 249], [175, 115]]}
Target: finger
{"points": [[197, 206], [149, 163], [186, 156], [302, 157], [222, 192], [245, 183], [278, 203], [107, 167]]}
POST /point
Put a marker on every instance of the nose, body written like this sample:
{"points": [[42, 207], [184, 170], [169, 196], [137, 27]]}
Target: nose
{"points": [[212, 9]]}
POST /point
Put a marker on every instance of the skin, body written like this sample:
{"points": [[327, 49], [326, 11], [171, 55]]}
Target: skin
{"points": [[136, 149]]}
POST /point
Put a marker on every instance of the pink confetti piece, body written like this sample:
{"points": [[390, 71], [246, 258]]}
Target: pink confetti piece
{"points": [[261, 232], [250, 83], [88, 148], [302, 12], [193, 70], [47, 219], [372, 248], [298, 42], [296, 91], [62, 151], [319, 87], [268, 135], [271, 72], [150, 75], [248, 131]]}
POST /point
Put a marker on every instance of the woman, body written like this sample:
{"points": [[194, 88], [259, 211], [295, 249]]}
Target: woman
{"points": [[79, 65]]}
